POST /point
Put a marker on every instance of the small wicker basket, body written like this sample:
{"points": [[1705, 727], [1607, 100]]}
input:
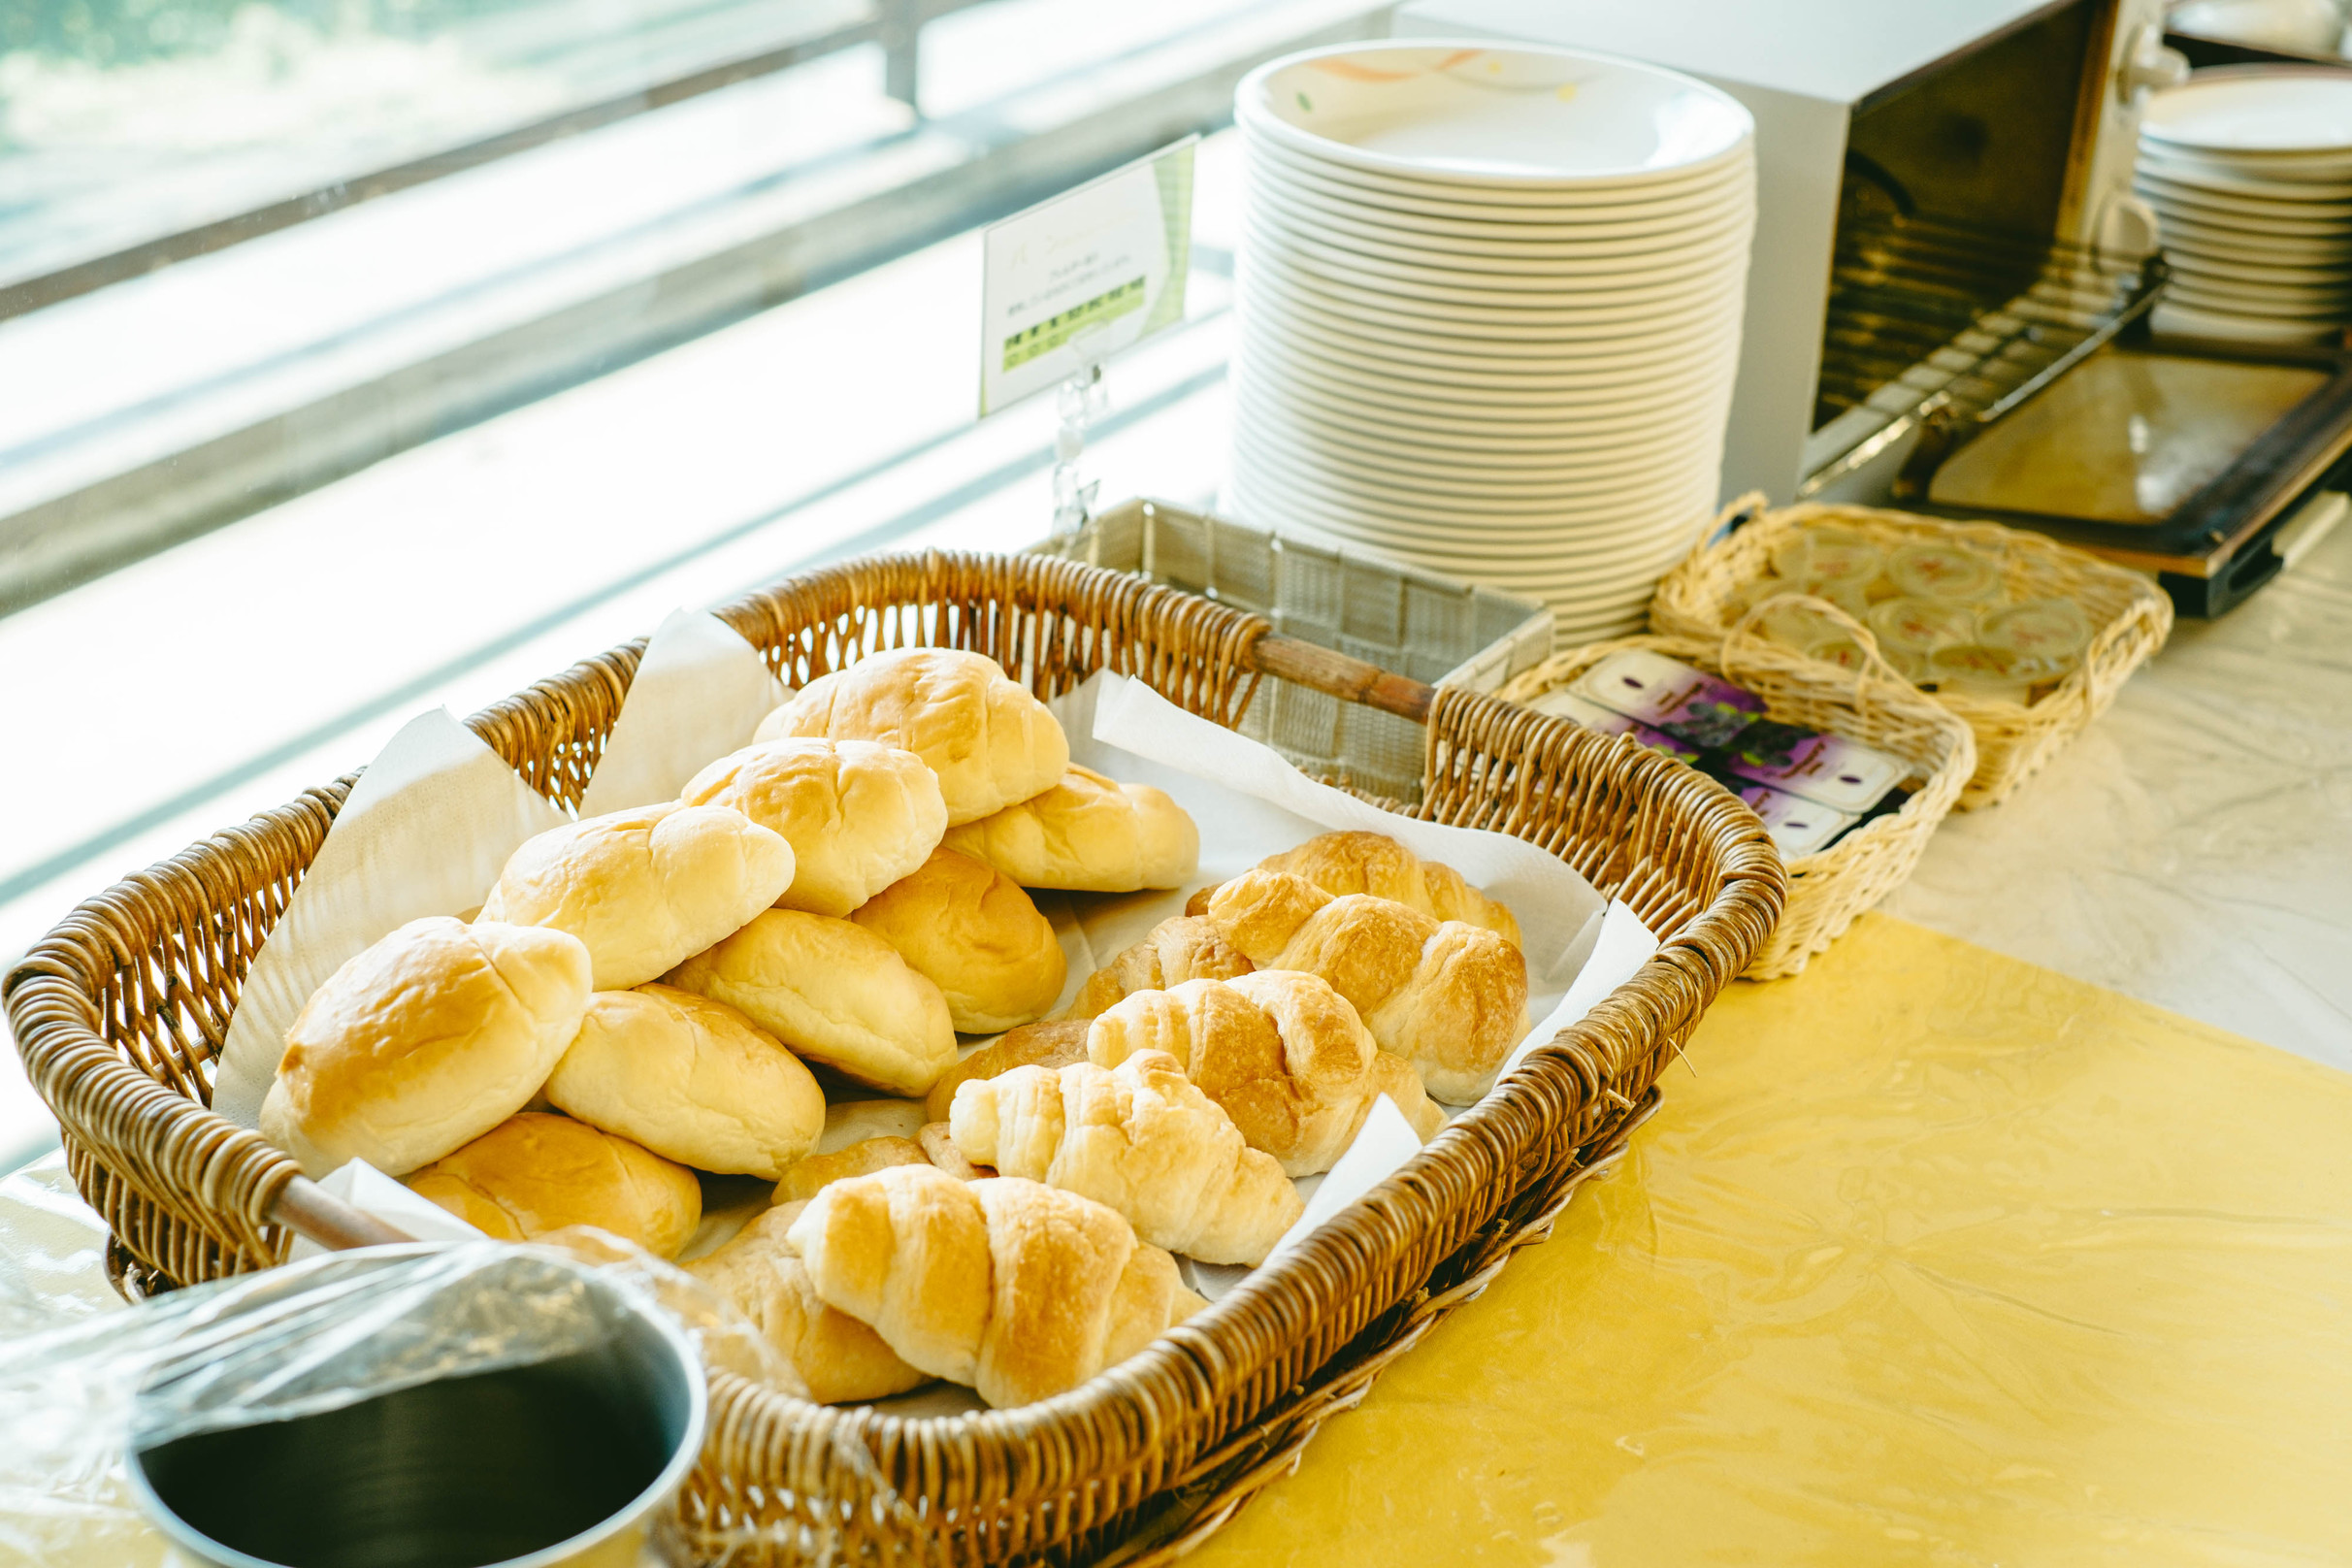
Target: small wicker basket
{"points": [[1874, 706], [120, 1012], [2130, 616]]}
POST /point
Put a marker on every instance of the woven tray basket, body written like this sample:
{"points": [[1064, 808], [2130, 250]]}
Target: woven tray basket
{"points": [[120, 1010], [2131, 614], [1875, 705]]}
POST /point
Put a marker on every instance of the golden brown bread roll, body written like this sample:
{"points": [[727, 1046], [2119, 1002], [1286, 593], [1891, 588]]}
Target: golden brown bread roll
{"points": [[423, 1042], [1055, 1044], [812, 1175], [535, 1174], [832, 990], [1344, 862], [1140, 1137], [1089, 834], [989, 741], [859, 816], [1180, 948], [691, 1079], [1448, 997], [973, 934], [644, 889], [840, 1360], [939, 1148], [1281, 1052], [1007, 1286]]}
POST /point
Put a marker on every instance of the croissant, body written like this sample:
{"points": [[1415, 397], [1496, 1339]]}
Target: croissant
{"points": [[839, 1359], [1141, 1138], [1344, 862], [1448, 997], [1181, 947], [1281, 1052], [1008, 1285]]}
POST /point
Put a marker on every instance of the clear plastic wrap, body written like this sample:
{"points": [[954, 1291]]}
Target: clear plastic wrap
{"points": [[311, 1337]]}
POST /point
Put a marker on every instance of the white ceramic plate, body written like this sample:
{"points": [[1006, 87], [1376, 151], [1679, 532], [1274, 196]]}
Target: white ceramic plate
{"points": [[2318, 312], [1727, 234], [1633, 232], [2246, 216], [1407, 401], [2334, 169], [2168, 319], [1513, 118], [1439, 431], [2250, 266], [1661, 306], [1602, 362], [1651, 201], [1475, 327], [2296, 198], [1573, 476], [2268, 108], [1722, 269], [1601, 525], [2180, 228], [1560, 383]]}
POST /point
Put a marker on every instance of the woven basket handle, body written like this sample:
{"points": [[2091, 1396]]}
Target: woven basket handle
{"points": [[1875, 672]]}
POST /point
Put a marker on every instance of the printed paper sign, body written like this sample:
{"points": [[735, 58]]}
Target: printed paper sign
{"points": [[1072, 282]]}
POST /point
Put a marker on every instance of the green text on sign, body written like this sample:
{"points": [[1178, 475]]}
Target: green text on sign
{"points": [[1054, 331]]}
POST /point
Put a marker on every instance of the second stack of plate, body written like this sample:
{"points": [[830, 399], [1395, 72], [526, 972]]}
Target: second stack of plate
{"points": [[2250, 171], [1490, 304]]}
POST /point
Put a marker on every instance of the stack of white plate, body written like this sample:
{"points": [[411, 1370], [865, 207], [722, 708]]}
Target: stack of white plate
{"points": [[1490, 304], [2249, 169]]}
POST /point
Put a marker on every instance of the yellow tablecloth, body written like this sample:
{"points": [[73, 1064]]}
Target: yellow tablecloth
{"points": [[1939, 1259]]}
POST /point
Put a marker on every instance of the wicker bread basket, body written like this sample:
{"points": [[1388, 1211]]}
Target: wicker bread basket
{"points": [[1875, 705], [120, 1010], [2130, 615]]}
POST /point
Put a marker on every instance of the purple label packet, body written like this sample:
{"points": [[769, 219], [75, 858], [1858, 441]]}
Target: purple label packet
{"points": [[1799, 827], [1824, 768], [1669, 696]]}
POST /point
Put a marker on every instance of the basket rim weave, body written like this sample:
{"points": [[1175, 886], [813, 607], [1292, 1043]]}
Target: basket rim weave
{"points": [[192, 1195]]}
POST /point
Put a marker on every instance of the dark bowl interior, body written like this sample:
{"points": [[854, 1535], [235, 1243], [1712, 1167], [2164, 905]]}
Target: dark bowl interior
{"points": [[453, 1474]]}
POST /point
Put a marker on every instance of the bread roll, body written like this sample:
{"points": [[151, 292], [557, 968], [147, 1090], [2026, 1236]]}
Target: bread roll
{"points": [[536, 1173], [1140, 1137], [1010, 1286], [832, 990], [857, 816], [1181, 947], [840, 1360], [989, 741], [1087, 832], [1345, 863], [644, 889], [1448, 997], [1055, 1044], [812, 1175], [938, 1143], [973, 934], [1281, 1052], [692, 1080], [425, 1041]]}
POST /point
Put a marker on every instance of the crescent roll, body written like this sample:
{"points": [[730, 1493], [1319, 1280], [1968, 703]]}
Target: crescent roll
{"points": [[832, 990], [1089, 833], [1344, 862], [1180, 948], [990, 742], [1008, 1285], [1448, 997], [859, 816], [1141, 1138], [840, 1360], [1281, 1052], [644, 889]]}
